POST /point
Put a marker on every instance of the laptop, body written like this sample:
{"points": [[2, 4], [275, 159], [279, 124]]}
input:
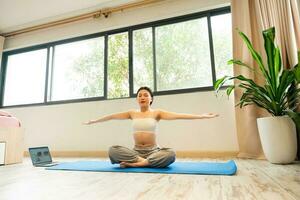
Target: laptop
{"points": [[40, 157]]}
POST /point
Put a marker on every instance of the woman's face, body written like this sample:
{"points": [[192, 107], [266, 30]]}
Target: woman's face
{"points": [[144, 98]]}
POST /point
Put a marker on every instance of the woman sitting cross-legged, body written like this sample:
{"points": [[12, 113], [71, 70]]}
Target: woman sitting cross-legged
{"points": [[146, 152]]}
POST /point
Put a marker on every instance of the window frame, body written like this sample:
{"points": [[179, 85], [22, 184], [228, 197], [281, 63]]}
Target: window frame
{"points": [[105, 34], [50, 67]]}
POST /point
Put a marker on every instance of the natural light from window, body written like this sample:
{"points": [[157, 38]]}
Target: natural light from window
{"points": [[25, 78], [78, 70]]}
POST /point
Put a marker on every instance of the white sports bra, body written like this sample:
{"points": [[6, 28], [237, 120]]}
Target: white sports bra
{"points": [[144, 125]]}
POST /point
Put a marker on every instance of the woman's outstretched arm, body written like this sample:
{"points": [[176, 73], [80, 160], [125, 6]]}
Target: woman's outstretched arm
{"points": [[172, 115], [122, 115]]}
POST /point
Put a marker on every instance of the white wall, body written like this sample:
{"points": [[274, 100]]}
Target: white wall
{"points": [[166, 9], [59, 126]]}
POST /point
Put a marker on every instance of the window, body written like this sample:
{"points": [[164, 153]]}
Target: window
{"points": [[222, 40], [176, 55], [118, 76], [78, 70], [183, 55], [143, 59], [25, 78]]}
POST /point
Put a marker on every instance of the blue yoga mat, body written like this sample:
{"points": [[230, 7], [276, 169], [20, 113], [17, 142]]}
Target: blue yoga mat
{"points": [[213, 168]]}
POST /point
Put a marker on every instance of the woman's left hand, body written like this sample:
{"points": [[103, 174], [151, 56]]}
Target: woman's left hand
{"points": [[210, 115]]}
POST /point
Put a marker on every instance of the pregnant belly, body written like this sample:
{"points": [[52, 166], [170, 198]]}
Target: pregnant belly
{"points": [[144, 139]]}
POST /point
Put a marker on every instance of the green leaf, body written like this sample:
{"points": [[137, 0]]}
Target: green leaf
{"points": [[229, 90], [238, 62], [298, 59], [286, 79], [277, 65], [220, 82], [255, 56], [269, 36], [296, 72]]}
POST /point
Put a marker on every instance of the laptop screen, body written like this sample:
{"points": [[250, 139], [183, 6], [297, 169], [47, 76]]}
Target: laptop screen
{"points": [[40, 155]]}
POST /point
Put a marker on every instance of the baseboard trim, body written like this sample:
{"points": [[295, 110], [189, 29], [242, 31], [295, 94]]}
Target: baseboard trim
{"points": [[179, 154], [251, 156], [207, 154]]}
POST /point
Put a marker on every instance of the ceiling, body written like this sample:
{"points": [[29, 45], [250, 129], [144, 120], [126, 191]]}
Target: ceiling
{"points": [[17, 14]]}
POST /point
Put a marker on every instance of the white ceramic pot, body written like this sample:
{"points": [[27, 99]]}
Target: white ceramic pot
{"points": [[278, 138]]}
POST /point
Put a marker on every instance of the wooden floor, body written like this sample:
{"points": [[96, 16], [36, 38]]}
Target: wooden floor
{"points": [[254, 180]]}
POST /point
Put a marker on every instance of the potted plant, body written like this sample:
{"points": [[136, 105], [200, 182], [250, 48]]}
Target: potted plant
{"points": [[279, 96]]}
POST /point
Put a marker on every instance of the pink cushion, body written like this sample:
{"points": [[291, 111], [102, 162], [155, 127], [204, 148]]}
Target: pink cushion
{"points": [[6, 120], [3, 113], [9, 122]]}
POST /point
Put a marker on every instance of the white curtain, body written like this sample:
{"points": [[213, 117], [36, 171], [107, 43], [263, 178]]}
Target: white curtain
{"points": [[244, 17], [284, 16]]}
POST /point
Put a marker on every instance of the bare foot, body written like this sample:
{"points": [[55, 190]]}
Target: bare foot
{"points": [[123, 164], [140, 163]]}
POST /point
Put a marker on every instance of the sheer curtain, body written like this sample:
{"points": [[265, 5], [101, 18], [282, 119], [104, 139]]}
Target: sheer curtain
{"points": [[244, 19], [251, 17], [298, 3], [284, 16]]}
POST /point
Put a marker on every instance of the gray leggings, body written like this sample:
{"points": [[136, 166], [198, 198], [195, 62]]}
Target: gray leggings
{"points": [[156, 156]]}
